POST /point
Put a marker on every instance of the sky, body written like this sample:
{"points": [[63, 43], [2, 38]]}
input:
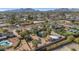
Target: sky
{"points": [[41, 9]]}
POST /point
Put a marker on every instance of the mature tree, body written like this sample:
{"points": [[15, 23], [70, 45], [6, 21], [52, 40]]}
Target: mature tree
{"points": [[13, 19], [26, 35], [30, 17]]}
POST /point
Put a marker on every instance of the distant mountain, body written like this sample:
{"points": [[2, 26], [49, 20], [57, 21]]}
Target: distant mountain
{"points": [[62, 10], [75, 9], [22, 10], [41, 9], [66, 10]]}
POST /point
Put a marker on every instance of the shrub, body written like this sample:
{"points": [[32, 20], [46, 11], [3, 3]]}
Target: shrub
{"points": [[73, 49], [70, 38], [35, 42], [76, 40], [42, 34], [18, 31]]}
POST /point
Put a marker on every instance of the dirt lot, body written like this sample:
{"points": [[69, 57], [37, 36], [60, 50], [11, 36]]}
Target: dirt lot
{"points": [[68, 47]]}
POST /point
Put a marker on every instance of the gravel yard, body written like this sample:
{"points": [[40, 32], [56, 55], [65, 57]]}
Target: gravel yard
{"points": [[68, 47]]}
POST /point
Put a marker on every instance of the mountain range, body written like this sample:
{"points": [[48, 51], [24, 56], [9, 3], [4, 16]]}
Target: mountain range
{"points": [[41, 9]]}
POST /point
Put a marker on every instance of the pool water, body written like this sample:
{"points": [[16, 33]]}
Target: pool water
{"points": [[5, 43]]}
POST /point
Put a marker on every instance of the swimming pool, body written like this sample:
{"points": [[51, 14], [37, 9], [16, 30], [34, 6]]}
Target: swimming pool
{"points": [[5, 43]]}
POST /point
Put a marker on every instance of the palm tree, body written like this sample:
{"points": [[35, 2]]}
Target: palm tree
{"points": [[19, 43], [26, 36]]}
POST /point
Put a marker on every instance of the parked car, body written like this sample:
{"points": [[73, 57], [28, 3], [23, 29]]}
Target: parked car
{"points": [[9, 35], [2, 37]]}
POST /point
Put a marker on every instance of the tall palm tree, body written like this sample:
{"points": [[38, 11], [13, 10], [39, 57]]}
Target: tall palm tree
{"points": [[26, 36]]}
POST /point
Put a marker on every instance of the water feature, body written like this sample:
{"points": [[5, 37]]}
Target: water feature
{"points": [[5, 43]]}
